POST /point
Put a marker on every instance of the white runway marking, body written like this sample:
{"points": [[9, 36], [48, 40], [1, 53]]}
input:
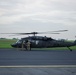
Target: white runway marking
{"points": [[40, 66]]}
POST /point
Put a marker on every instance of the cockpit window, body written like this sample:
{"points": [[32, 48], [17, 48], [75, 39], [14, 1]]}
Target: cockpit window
{"points": [[19, 41]]}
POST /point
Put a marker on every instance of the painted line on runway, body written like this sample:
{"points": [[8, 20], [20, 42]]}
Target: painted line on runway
{"points": [[40, 66]]}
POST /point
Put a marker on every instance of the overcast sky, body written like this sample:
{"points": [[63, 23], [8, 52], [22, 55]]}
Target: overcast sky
{"points": [[38, 15]]}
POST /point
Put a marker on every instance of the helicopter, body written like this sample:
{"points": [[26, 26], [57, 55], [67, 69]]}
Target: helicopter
{"points": [[41, 41]]}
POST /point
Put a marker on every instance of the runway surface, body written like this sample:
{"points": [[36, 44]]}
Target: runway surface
{"points": [[37, 57], [37, 62]]}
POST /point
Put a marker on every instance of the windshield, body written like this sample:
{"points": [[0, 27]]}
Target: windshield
{"points": [[19, 41]]}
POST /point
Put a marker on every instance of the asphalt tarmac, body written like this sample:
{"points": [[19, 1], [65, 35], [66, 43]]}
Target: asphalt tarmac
{"points": [[37, 62], [37, 57]]}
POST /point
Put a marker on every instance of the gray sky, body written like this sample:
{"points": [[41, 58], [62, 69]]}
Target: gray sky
{"points": [[38, 15]]}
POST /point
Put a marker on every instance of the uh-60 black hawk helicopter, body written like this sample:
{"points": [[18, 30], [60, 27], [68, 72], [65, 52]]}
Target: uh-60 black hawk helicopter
{"points": [[42, 41]]}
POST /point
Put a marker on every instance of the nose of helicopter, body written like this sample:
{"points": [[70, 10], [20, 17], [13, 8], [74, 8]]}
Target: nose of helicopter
{"points": [[13, 45]]}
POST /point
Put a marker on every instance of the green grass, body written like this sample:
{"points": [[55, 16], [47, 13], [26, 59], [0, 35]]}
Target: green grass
{"points": [[6, 43]]}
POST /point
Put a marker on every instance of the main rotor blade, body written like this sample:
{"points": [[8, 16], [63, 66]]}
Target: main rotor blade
{"points": [[30, 33], [60, 31], [48, 32], [54, 31], [21, 33], [18, 33]]}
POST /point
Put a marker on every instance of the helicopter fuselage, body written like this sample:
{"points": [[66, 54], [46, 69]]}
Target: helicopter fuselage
{"points": [[42, 42]]}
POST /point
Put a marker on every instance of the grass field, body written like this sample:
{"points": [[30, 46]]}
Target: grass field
{"points": [[6, 43]]}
